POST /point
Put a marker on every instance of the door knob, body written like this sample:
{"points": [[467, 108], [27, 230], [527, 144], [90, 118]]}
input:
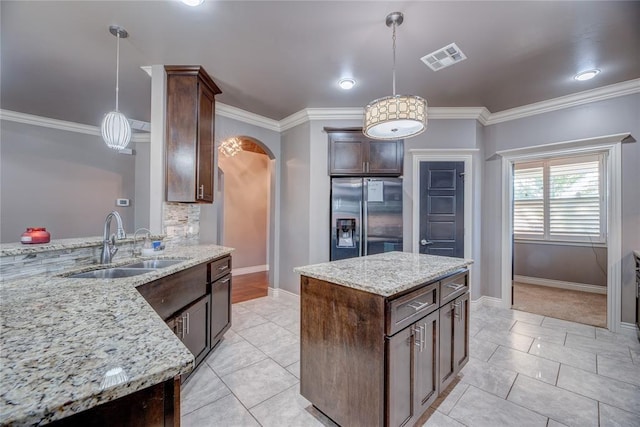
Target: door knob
{"points": [[424, 242]]}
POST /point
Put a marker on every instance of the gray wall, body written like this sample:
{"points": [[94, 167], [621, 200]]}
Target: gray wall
{"points": [[601, 118], [225, 128], [295, 227], [568, 263], [65, 181]]}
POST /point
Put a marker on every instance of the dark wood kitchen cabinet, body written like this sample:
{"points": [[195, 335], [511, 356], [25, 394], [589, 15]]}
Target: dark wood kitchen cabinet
{"points": [[195, 303], [353, 154], [371, 360], [454, 338], [192, 327], [219, 277], [412, 371], [190, 133]]}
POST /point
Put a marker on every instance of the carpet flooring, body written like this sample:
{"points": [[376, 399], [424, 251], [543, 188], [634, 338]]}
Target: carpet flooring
{"points": [[576, 306]]}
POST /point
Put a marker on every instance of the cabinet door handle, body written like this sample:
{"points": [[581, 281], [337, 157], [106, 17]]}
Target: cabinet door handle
{"points": [[364, 166], [456, 307], [201, 192], [417, 305], [455, 286], [418, 332]]}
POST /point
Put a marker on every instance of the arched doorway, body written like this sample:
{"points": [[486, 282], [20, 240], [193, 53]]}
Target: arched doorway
{"points": [[246, 208]]}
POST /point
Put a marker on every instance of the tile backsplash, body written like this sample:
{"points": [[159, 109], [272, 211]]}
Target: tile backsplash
{"points": [[181, 223]]}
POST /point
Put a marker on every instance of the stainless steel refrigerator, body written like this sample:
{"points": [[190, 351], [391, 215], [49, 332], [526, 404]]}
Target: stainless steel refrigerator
{"points": [[366, 216]]}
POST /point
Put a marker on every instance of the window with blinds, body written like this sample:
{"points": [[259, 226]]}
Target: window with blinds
{"points": [[560, 199]]}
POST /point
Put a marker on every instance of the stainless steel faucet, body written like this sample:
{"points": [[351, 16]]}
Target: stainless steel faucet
{"points": [[109, 242]]}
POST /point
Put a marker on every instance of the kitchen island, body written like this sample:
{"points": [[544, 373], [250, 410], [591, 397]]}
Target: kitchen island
{"points": [[69, 345], [382, 335]]}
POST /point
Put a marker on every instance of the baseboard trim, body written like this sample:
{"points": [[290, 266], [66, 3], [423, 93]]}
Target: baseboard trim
{"points": [[249, 270], [285, 295], [628, 328], [487, 301], [583, 287]]}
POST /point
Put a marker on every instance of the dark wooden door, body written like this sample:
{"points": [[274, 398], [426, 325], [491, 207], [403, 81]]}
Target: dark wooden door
{"points": [[346, 154], [426, 363], [206, 103], [195, 328], [220, 308], [442, 208], [461, 331], [384, 157], [447, 360], [400, 372]]}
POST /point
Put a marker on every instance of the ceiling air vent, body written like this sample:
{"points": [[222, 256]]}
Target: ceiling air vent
{"points": [[442, 58]]}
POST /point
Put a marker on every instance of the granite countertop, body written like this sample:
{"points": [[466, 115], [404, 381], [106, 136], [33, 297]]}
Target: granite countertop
{"points": [[67, 345], [17, 248], [384, 274], [637, 253]]}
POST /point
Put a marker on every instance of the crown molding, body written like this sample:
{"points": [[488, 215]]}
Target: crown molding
{"points": [[309, 114], [452, 113], [30, 119], [244, 116], [599, 94], [482, 114]]}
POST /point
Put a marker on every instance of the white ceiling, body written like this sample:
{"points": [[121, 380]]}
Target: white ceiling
{"points": [[276, 58]]}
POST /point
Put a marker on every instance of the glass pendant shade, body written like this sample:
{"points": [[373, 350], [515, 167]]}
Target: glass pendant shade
{"points": [[116, 130], [395, 117]]}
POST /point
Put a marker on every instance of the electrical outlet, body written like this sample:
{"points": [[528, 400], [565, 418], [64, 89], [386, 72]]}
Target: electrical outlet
{"points": [[122, 202]]}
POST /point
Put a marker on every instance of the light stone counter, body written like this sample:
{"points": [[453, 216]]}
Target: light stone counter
{"points": [[17, 248], [384, 274], [71, 344]]}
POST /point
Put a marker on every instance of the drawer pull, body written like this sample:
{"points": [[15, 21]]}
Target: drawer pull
{"points": [[417, 305], [225, 280], [223, 267], [454, 286]]}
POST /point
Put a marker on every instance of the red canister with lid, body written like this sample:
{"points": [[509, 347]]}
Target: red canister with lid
{"points": [[35, 235]]}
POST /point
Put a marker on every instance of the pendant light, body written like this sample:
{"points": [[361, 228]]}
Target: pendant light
{"points": [[396, 116], [116, 130]]}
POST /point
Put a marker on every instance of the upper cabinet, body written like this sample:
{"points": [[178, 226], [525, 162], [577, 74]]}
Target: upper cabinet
{"points": [[190, 142], [352, 153]]}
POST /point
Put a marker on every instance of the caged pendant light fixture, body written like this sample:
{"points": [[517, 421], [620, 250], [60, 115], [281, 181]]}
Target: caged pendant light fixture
{"points": [[115, 129], [396, 116]]}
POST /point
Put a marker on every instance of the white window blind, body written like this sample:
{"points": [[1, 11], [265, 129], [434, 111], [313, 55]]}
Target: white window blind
{"points": [[560, 199], [528, 207]]}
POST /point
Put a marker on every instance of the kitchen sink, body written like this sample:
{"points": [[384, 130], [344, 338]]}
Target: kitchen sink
{"points": [[111, 273], [154, 263]]}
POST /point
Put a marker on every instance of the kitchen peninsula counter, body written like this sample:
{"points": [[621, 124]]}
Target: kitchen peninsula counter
{"points": [[70, 344], [382, 335]]}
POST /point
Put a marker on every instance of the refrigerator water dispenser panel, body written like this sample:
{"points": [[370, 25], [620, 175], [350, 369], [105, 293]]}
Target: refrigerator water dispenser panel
{"points": [[346, 233]]}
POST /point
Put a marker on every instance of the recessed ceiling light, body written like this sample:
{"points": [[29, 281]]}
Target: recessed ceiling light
{"points": [[586, 75], [193, 2], [347, 83]]}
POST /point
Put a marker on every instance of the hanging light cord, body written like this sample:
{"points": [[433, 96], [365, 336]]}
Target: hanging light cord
{"points": [[394, 58], [117, 68]]}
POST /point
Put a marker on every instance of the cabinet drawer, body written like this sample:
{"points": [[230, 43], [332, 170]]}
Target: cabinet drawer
{"points": [[403, 311], [170, 294], [454, 286], [219, 268]]}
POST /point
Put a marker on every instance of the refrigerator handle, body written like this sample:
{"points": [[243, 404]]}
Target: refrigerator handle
{"points": [[365, 214], [360, 231]]}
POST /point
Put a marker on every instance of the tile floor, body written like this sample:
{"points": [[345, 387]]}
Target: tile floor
{"points": [[524, 370]]}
